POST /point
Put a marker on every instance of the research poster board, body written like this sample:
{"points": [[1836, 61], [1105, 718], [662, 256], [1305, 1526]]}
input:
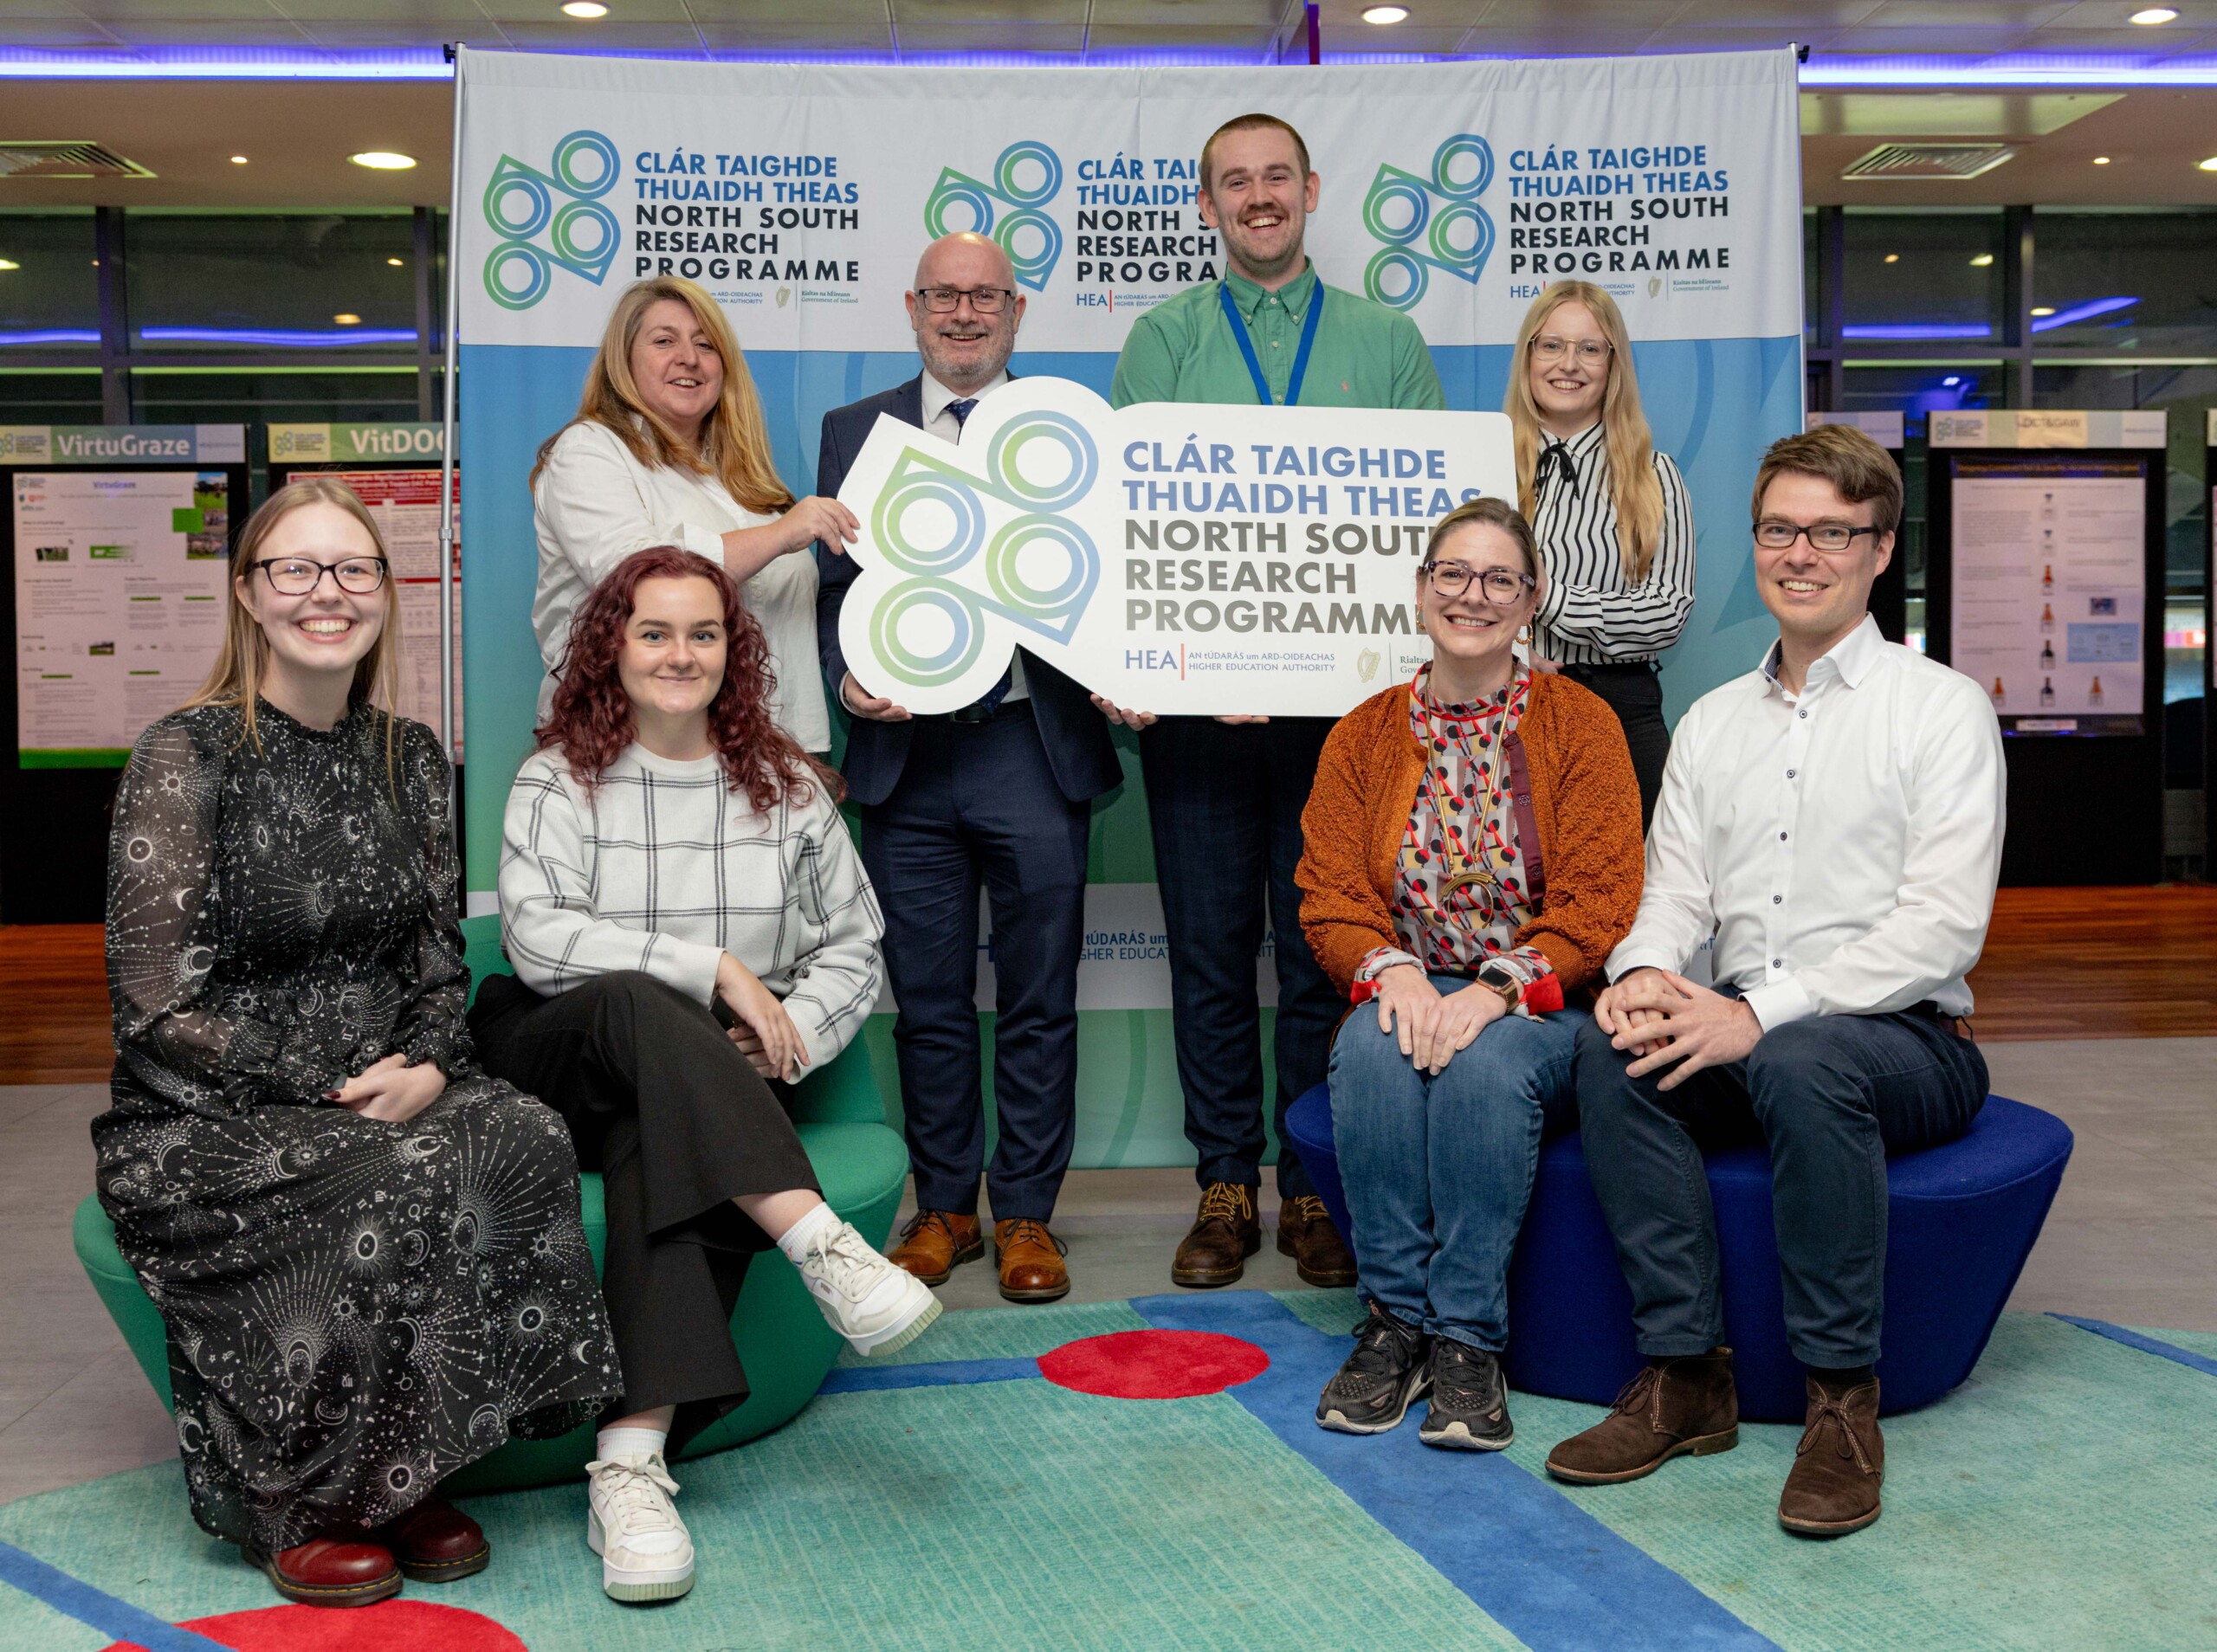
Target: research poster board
{"points": [[2049, 587]]}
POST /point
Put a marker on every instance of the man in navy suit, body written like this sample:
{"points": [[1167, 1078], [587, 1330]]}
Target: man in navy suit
{"points": [[1000, 791]]}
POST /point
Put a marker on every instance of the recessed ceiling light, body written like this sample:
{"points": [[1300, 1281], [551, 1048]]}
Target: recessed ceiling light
{"points": [[395, 262], [2101, 160], [586, 8], [1952, 380], [8, 263], [1893, 258], [1981, 260], [2043, 309], [2154, 15], [238, 160], [2209, 165], [347, 318], [383, 160], [1385, 14]]}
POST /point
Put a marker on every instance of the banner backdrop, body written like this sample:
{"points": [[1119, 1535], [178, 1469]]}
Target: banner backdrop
{"points": [[800, 196]]}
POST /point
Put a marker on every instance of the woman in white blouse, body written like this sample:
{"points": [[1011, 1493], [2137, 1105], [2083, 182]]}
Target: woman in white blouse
{"points": [[669, 447], [1615, 529], [671, 859]]}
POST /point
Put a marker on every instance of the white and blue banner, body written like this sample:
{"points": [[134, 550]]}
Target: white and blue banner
{"points": [[801, 195]]}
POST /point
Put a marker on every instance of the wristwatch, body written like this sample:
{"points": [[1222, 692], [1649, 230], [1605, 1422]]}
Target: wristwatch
{"points": [[1502, 980]]}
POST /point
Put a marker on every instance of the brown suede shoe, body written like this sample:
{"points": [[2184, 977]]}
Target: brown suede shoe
{"points": [[1031, 1261], [436, 1542], [1225, 1232], [1685, 1407], [935, 1243], [1306, 1234], [1839, 1466], [345, 1567]]}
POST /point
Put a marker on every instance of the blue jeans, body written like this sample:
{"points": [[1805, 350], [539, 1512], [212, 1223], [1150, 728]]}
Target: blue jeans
{"points": [[1439, 1169]]}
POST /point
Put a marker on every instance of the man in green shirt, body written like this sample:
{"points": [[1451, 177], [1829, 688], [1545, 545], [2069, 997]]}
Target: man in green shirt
{"points": [[1225, 795]]}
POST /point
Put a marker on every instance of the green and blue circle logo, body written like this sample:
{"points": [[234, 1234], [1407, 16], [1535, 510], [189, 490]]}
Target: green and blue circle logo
{"points": [[1429, 222], [1011, 209], [550, 219]]}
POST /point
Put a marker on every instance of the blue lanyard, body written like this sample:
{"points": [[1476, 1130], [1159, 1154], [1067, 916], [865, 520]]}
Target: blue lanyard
{"points": [[1247, 345]]}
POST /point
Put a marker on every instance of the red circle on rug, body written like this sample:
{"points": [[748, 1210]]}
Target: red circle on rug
{"points": [[1154, 1364], [389, 1626]]}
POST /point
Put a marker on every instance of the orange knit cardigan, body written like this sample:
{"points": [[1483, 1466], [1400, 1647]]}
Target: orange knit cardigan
{"points": [[1585, 801]]}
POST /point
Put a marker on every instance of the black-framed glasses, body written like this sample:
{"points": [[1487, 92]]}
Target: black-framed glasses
{"points": [[300, 576], [1500, 586], [1591, 353], [945, 301], [1774, 534]]}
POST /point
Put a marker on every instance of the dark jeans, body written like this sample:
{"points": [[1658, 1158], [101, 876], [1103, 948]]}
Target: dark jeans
{"points": [[661, 1103], [977, 801], [1439, 1168], [1635, 693], [1225, 802], [1833, 1095]]}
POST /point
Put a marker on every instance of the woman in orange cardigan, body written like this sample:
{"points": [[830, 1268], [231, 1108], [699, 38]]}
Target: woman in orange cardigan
{"points": [[1473, 855]]}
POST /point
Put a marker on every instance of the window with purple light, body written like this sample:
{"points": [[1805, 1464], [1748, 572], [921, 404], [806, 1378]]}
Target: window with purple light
{"points": [[274, 282], [50, 294], [2135, 279], [1930, 276]]}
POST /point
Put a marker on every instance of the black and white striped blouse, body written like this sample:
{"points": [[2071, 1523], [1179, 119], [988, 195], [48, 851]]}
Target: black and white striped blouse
{"points": [[1591, 613]]}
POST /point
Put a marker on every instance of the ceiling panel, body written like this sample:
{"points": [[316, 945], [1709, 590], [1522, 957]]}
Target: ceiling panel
{"points": [[934, 36], [172, 13], [393, 37], [861, 34], [830, 14], [2005, 15], [400, 15], [679, 39], [1195, 37], [264, 31], [586, 31], [55, 34]]}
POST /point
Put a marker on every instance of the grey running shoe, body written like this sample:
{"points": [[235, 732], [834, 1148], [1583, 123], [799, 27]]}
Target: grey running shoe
{"points": [[1469, 1402], [1385, 1375]]}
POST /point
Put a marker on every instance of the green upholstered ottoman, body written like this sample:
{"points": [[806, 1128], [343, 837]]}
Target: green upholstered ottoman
{"points": [[783, 1338]]}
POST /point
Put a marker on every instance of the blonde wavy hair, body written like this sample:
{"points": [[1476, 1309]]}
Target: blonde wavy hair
{"points": [[1633, 487], [734, 445], [243, 658]]}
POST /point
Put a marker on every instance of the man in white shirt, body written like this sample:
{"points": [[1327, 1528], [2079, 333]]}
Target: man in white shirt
{"points": [[1834, 820]]}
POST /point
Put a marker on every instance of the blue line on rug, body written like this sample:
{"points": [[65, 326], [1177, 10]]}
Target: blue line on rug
{"points": [[1529, 1557], [2147, 1345], [89, 1606], [867, 1379]]}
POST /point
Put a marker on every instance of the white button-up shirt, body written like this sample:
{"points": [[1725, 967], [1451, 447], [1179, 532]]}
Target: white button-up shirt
{"points": [[944, 425], [1842, 844]]}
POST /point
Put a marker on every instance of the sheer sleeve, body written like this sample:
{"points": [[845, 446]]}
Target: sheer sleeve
{"points": [[432, 1029], [177, 1032]]}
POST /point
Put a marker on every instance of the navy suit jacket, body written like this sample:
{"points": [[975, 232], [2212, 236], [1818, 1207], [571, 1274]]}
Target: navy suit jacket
{"points": [[1080, 752]]}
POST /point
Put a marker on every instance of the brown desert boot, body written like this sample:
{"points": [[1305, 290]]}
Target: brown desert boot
{"points": [[1031, 1261], [935, 1243], [1307, 1234], [1839, 1466], [1225, 1232], [344, 1568], [436, 1542], [1686, 1407]]}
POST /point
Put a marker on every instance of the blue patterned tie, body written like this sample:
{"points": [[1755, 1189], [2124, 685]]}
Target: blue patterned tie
{"points": [[989, 702], [962, 410]]}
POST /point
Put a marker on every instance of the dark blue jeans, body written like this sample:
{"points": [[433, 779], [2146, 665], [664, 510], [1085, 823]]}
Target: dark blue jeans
{"points": [[1833, 1095], [1225, 801], [1439, 1169]]}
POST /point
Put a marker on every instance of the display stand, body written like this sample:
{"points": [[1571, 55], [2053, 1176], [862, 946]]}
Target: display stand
{"points": [[2044, 584], [117, 544], [1889, 593]]}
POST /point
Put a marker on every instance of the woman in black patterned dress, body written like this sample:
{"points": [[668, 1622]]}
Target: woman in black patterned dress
{"points": [[368, 1254]]}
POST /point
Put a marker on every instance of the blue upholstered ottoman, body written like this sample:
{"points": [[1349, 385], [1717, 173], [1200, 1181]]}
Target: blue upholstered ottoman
{"points": [[1960, 1221]]}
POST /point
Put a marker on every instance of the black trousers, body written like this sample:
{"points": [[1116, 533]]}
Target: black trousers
{"points": [[1225, 800], [1635, 693], [661, 1103]]}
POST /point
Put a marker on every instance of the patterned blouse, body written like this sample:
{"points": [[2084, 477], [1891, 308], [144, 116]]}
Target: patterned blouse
{"points": [[1463, 799]]}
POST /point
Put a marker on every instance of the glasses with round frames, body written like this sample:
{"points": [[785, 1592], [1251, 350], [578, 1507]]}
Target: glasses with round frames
{"points": [[945, 301], [1591, 353], [1831, 538], [1500, 586], [299, 576]]}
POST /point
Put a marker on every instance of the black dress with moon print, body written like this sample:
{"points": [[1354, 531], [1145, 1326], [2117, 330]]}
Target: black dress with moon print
{"points": [[355, 1308]]}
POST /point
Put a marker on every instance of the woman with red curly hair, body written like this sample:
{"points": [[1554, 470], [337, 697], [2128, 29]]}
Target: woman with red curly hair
{"points": [[673, 859]]}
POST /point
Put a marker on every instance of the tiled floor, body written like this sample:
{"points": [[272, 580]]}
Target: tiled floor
{"points": [[2130, 1240]]}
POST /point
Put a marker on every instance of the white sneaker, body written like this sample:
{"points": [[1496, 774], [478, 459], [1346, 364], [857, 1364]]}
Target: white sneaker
{"points": [[645, 1552], [877, 1306]]}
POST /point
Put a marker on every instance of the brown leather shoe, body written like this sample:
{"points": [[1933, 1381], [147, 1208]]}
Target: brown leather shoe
{"points": [[436, 1542], [1031, 1261], [1225, 1232], [935, 1243], [1306, 1234], [1839, 1466], [1685, 1407], [344, 1569]]}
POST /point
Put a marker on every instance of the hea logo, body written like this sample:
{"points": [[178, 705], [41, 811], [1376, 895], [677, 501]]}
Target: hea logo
{"points": [[1052, 608], [1429, 223], [580, 235], [1005, 210]]}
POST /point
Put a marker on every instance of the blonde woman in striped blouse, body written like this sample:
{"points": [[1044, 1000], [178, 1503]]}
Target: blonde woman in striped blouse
{"points": [[1611, 514]]}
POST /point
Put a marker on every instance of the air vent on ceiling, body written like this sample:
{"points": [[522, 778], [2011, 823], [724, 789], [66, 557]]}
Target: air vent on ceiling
{"points": [[40, 159], [1923, 161]]}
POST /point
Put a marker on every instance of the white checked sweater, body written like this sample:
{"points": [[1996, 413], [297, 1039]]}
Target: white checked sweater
{"points": [[662, 867]]}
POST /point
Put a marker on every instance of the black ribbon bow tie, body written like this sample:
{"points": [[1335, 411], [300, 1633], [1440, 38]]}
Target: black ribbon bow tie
{"points": [[1555, 456]]}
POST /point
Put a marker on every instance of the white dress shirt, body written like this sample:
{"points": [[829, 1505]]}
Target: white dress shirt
{"points": [[594, 505], [1842, 844], [944, 425]]}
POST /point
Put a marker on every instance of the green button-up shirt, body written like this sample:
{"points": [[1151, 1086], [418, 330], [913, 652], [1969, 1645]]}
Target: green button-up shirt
{"points": [[1365, 355]]}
